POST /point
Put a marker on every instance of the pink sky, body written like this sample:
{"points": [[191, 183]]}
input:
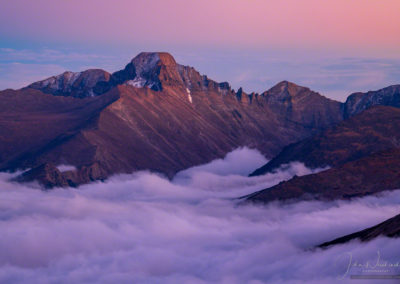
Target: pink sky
{"points": [[332, 46], [367, 26]]}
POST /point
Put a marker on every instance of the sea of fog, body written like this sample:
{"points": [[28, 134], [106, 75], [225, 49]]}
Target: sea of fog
{"points": [[144, 228]]}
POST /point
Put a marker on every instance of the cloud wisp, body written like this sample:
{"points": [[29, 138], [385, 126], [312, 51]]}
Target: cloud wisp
{"points": [[143, 228], [21, 67]]}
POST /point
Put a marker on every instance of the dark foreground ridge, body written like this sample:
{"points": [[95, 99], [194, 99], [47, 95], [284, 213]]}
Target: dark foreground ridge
{"points": [[389, 228], [365, 176]]}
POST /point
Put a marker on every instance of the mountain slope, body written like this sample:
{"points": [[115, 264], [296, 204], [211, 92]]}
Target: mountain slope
{"points": [[368, 175], [298, 104], [389, 228], [358, 102], [374, 130], [34, 122], [154, 114]]}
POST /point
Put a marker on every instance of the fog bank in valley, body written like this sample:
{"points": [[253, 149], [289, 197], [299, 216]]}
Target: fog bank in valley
{"points": [[144, 228]]}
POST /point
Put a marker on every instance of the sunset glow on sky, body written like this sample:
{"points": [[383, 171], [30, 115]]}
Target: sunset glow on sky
{"points": [[334, 47]]}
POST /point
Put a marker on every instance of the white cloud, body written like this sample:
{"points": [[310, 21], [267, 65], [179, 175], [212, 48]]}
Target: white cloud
{"points": [[143, 228]]}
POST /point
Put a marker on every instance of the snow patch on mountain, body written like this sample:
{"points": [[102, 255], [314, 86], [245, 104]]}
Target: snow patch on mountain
{"points": [[145, 62], [137, 82], [66, 168], [189, 95], [62, 81], [144, 65]]}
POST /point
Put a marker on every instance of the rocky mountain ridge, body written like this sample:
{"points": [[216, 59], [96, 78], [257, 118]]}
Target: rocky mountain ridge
{"points": [[373, 130], [363, 152], [155, 114], [148, 69]]}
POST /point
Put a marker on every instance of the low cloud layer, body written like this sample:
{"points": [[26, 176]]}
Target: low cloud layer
{"points": [[143, 228]]}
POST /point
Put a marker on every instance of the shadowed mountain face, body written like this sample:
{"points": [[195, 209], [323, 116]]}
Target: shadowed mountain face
{"points": [[368, 175], [298, 104], [155, 114], [74, 84], [364, 152], [36, 124], [359, 102], [388, 228], [374, 130]]}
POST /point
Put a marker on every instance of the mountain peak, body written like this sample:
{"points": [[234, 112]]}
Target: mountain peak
{"points": [[358, 102], [287, 88], [286, 91], [148, 60], [145, 68], [153, 70], [156, 70], [74, 84], [285, 84]]}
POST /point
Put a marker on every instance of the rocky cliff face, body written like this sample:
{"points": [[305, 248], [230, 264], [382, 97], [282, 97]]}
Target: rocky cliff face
{"points": [[301, 105], [148, 69], [359, 102], [154, 114], [74, 84]]}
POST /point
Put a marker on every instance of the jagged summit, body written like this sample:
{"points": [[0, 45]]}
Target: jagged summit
{"points": [[286, 90], [150, 59], [358, 102], [74, 84], [286, 84], [297, 103], [157, 69], [144, 70], [153, 70]]}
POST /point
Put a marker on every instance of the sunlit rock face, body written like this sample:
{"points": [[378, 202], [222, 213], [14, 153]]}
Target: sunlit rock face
{"points": [[154, 114]]}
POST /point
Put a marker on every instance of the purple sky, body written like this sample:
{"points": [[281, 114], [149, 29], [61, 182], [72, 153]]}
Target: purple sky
{"points": [[334, 47]]}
